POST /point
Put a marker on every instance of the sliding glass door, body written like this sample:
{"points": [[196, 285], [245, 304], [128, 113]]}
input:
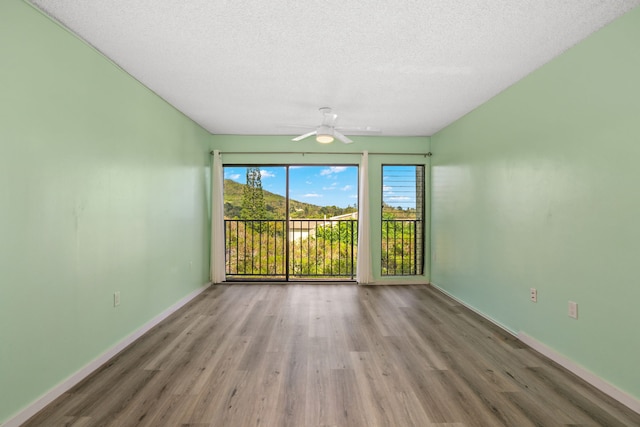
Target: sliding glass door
{"points": [[290, 222]]}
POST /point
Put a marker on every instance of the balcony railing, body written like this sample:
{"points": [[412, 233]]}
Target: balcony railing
{"points": [[255, 248], [402, 247], [314, 248]]}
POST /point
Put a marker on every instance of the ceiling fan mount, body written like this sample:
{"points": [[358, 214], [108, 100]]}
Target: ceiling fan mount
{"points": [[327, 131]]}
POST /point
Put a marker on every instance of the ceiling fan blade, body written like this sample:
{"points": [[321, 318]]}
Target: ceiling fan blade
{"points": [[359, 129], [298, 126], [341, 137], [306, 135]]}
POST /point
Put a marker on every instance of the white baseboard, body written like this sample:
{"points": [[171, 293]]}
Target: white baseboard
{"points": [[475, 310], [398, 281], [75, 378], [602, 385]]}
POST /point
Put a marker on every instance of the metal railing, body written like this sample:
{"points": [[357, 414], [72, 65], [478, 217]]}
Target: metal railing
{"points": [[255, 248], [310, 248], [315, 248], [323, 248], [402, 247]]}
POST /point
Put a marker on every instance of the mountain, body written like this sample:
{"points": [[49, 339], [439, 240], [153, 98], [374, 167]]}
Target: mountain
{"points": [[276, 205]]}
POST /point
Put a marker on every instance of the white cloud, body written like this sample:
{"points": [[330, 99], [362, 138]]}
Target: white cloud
{"points": [[308, 182], [398, 198], [233, 176], [332, 169], [333, 186], [347, 188], [266, 174], [312, 195], [353, 196], [387, 189]]}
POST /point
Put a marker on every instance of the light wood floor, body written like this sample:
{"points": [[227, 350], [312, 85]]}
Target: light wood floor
{"points": [[330, 355]]}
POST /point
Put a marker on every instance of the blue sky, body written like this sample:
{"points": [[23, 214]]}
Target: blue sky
{"points": [[318, 185], [332, 185]]}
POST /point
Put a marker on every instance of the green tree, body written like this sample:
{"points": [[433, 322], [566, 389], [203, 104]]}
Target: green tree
{"points": [[253, 205]]}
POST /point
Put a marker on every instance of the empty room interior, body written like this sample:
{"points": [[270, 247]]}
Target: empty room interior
{"points": [[499, 289]]}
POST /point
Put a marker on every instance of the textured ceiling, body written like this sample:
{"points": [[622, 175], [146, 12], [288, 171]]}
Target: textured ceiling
{"points": [[407, 67]]}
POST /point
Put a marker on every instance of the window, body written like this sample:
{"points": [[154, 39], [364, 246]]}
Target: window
{"points": [[402, 220]]}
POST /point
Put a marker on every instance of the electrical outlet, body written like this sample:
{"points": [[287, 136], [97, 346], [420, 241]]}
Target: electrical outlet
{"points": [[573, 309], [533, 295], [116, 298]]}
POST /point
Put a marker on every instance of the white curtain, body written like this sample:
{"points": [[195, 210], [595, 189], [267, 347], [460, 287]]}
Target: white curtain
{"points": [[363, 263], [217, 220]]}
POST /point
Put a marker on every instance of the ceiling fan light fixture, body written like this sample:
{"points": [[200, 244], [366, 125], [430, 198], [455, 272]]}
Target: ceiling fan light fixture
{"points": [[324, 135], [324, 138]]}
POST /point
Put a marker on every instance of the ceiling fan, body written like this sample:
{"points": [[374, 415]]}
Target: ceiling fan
{"points": [[327, 131]]}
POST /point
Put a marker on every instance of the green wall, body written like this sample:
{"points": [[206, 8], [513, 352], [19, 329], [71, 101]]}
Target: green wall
{"points": [[102, 188], [539, 188], [338, 154]]}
